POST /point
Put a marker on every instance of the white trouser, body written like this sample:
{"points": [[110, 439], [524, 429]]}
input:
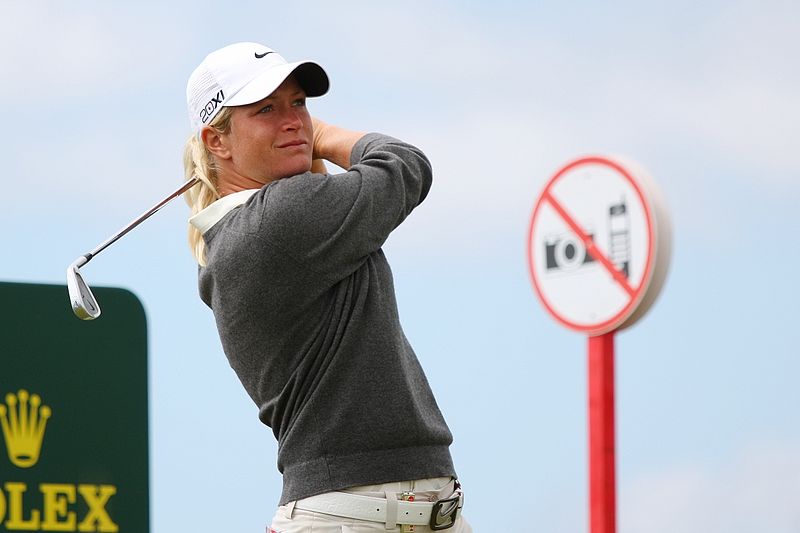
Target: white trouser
{"points": [[291, 518]]}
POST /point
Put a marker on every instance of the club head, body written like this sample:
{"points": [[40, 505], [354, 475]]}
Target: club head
{"points": [[84, 304]]}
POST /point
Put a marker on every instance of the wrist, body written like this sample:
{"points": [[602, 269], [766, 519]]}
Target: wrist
{"points": [[334, 144]]}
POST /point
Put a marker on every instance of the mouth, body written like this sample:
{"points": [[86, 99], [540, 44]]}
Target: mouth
{"points": [[292, 144]]}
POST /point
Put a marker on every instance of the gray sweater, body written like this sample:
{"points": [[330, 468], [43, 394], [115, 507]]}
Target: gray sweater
{"points": [[304, 302]]}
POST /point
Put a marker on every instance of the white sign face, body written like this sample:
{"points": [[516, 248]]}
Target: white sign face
{"points": [[591, 245]]}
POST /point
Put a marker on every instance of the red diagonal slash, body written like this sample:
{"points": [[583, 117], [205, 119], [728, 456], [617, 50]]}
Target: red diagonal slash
{"points": [[593, 250]]}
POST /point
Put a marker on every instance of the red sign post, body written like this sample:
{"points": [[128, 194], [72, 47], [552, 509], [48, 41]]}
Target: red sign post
{"points": [[602, 458], [598, 250]]}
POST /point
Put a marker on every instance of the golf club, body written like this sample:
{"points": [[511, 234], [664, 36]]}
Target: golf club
{"points": [[84, 304]]}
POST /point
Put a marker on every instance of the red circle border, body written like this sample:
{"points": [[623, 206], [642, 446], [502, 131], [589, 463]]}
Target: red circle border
{"points": [[618, 319]]}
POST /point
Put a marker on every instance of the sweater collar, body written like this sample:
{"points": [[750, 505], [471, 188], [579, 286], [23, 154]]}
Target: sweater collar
{"points": [[212, 214]]}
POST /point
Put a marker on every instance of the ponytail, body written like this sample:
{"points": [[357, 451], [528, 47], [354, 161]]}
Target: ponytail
{"points": [[199, 163]]}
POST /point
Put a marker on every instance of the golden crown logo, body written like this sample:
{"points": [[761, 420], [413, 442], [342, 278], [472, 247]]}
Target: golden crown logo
{"points": [[23, 419]]}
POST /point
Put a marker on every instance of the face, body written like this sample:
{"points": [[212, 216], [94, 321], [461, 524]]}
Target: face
{"points": [[270, 139]]}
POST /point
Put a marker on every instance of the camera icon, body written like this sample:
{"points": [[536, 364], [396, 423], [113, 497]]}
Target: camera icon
{"points": [[566, 252]]}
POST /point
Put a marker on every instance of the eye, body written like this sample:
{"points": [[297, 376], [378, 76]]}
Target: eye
{"points": [[300, 102], [265, 109]]}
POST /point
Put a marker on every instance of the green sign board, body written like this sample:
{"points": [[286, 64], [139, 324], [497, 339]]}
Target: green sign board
{"points": [[73, 413]]}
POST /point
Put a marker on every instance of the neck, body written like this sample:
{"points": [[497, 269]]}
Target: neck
{"points": [[231, 182]]}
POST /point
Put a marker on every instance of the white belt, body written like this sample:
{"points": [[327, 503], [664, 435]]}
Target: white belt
{"points": [[387, 510]]}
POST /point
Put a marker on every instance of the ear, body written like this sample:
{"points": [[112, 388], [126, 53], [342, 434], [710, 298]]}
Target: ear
{"points": [[215, 142]]}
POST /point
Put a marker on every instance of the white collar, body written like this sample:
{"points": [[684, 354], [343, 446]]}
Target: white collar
{"points": [[212, 214]]}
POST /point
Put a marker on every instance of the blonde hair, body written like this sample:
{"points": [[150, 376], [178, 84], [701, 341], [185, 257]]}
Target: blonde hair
{"points": [[199, 163]]}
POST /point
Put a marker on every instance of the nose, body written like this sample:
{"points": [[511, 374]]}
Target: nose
{"points": [[293, 119]]}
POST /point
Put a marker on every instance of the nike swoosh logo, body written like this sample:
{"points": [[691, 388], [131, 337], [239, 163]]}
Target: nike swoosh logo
{"points": [[259, 56], [445, 517]]}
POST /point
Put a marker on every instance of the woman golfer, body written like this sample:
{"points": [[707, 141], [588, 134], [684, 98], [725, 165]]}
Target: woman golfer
{"points": [[292, 267]]}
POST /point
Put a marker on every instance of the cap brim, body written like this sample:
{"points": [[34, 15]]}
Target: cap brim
{"points": [[311, 77]]}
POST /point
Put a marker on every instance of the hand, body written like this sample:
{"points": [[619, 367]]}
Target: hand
{"points": [[333, 143], [319, 128]]}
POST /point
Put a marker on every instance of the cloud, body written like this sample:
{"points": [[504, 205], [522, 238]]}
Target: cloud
{"points": [[50, 52], [756, 491], [708, 101], [96, 99], [499, 102], [722, 82]]}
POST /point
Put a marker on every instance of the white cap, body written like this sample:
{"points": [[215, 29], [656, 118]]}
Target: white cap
{"points": [[241, 74]]}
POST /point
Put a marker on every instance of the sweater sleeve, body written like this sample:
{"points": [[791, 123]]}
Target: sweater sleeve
{"points": [[330, 224]]}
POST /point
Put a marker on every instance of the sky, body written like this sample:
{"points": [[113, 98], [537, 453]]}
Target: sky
{"points": [[704, 95]]}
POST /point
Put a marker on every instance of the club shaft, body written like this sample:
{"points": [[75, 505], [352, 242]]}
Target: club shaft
{"points": [[144, 216]]}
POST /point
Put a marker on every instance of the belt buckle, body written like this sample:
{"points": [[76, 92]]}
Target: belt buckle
{"points": [[447, 519]]}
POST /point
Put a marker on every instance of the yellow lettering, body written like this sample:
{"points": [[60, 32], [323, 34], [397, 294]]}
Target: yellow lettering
{"points": [[56, 498], [2, 506], [96, 497], [15, 510]]}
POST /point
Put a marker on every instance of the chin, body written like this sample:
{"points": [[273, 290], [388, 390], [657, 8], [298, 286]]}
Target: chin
{"points": [[299, 168]]}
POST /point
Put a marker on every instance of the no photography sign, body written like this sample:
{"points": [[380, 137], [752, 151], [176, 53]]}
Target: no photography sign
{"points": [[599, 244], [598, 251]]}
